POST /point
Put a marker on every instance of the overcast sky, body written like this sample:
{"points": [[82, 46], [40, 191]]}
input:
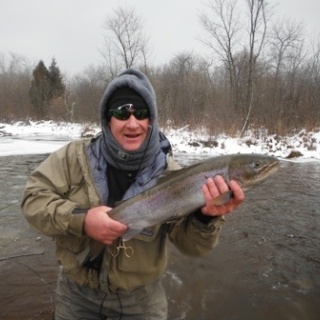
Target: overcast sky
{"points": [[72, 30]]}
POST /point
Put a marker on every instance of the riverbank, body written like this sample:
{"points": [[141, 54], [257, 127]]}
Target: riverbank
{"points": [[47, 136]]}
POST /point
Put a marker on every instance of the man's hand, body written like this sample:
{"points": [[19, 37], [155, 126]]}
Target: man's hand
{"points": [[99, 226], [216, 187]]}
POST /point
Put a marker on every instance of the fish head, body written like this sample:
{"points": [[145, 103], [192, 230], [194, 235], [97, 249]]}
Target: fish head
{"points": [[252, 169]]}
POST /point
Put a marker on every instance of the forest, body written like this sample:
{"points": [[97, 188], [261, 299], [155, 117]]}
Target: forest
{"points": [[258, 73]]}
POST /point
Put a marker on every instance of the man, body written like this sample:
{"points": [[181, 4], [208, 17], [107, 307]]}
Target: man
{"points": [[69, 195]]}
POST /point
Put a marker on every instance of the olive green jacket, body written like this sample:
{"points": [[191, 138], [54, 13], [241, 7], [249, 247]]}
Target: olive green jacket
{"points": [[62, 185]]}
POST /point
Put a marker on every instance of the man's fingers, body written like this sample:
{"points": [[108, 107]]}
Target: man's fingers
{"points": [[238, 194], [217, 187], [221, 184]]}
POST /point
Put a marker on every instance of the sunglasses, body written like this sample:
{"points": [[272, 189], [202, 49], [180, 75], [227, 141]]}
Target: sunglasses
{"points": [[124, 112]]}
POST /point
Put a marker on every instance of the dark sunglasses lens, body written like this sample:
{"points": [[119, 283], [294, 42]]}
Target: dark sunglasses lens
{"points": [[121, 114], [141, 114], [124, 113]]}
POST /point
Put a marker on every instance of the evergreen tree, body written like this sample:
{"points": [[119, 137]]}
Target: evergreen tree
{"points": [[40, 91], [57, 85]]}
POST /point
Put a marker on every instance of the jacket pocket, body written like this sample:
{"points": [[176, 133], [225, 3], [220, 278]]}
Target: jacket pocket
{"points": [[149, 254]]}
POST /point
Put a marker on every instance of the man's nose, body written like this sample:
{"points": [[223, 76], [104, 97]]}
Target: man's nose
{"points": [[132, 121]]}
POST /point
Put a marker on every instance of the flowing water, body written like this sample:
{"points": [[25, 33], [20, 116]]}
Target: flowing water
{"points": [[266, 266]]}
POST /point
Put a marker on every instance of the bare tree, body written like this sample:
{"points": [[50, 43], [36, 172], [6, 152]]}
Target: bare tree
{"points": [[15, 79], [258, 17], [313, 86], [86, 90], [285, 43], [285, 36], [70, 99], [125, 43], [183, 92], [222, 24]]}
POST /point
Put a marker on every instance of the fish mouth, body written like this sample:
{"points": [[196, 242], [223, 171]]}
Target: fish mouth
{"points": [[273, 166], [268, 170]]}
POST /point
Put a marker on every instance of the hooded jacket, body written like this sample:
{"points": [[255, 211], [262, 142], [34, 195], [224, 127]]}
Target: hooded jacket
{"points": [[72, 179]]}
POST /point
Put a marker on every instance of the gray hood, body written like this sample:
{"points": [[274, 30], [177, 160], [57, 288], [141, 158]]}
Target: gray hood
{"points": [[137, 81], [113, 153]]}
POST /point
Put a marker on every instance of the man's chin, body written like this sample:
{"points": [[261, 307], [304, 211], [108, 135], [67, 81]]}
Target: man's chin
{"points": [[132, 146]]}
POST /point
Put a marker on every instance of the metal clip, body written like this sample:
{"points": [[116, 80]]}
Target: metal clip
{"points": [[128, 251]]}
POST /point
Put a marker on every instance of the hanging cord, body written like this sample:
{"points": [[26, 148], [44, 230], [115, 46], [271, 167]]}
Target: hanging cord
{"points": [[120, 305], [101, 306], [102, 317]]}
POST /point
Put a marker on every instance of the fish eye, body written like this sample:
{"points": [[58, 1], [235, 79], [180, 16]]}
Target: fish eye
{"points": [[257, 164]]}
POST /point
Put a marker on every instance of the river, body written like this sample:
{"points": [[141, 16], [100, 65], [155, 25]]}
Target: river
{"points": [[266, 266]]}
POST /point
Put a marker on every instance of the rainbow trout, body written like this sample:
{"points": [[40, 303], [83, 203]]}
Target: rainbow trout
{"points": [[180, 192]]}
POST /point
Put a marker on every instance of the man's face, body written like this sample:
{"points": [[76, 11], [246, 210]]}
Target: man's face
{"points": [[129, 133]]}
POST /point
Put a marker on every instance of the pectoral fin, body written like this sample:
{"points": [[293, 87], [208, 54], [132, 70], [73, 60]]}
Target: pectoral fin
{"points": [[131, 233]]}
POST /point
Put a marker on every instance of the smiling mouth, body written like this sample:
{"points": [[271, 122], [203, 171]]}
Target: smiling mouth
{"points": [[132, 136]]}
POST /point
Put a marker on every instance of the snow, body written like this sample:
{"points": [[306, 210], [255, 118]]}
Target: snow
{"points": [[47, 136]]}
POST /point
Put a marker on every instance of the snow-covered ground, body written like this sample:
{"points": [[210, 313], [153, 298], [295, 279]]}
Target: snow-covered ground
{"points": [[47, 136]]}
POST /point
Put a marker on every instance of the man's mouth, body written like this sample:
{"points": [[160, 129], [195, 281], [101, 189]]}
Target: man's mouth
{"points": [[132, 136]]}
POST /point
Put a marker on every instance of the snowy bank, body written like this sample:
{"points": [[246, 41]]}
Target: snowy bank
{"points": [[47, 136]]}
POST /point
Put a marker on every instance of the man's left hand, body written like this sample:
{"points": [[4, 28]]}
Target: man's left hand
{"points": [[215, 188]]}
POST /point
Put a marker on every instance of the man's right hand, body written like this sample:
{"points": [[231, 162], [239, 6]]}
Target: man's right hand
{"points": [[99, 226]]}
